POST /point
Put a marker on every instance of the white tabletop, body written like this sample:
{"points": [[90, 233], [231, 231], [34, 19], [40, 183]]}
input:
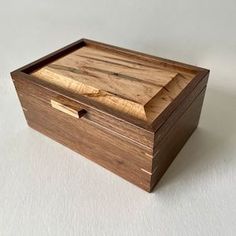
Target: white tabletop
{"points": [[47, 189]]}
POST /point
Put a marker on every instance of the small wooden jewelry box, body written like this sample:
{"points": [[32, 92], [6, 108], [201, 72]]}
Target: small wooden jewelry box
{"points": [[127, 111]]}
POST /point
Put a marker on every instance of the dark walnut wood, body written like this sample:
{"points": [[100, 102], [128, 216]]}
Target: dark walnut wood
{"points": [[127, 111]]}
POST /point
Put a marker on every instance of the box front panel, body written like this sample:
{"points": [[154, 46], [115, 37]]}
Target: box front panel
{"points": [[93, 141]]}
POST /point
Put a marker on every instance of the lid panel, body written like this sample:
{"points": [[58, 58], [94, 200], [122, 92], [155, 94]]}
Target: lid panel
{"points": [[121, 81]]}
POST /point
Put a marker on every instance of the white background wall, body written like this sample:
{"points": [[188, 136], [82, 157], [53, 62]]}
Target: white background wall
{"points": [[45, 189]]}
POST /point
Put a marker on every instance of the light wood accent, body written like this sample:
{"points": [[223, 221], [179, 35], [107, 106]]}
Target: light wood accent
{"points": [[68, 109], [121, 82]]}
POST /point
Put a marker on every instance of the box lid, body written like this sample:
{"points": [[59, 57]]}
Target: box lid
{"points": [[129, 85]]}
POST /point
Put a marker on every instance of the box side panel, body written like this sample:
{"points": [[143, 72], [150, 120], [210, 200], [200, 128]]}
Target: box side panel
{"points": [[200, 78], [175, 139], [177, 113], [115, 154]]}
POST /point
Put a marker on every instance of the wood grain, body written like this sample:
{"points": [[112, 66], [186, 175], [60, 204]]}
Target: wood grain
{"points": [[94, 142], [176, 138], [130, 132], [140, 109], [122, 83], [107, 149]]}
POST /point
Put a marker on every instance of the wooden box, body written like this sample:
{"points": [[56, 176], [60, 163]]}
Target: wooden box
{"points": [[127, 111]]}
